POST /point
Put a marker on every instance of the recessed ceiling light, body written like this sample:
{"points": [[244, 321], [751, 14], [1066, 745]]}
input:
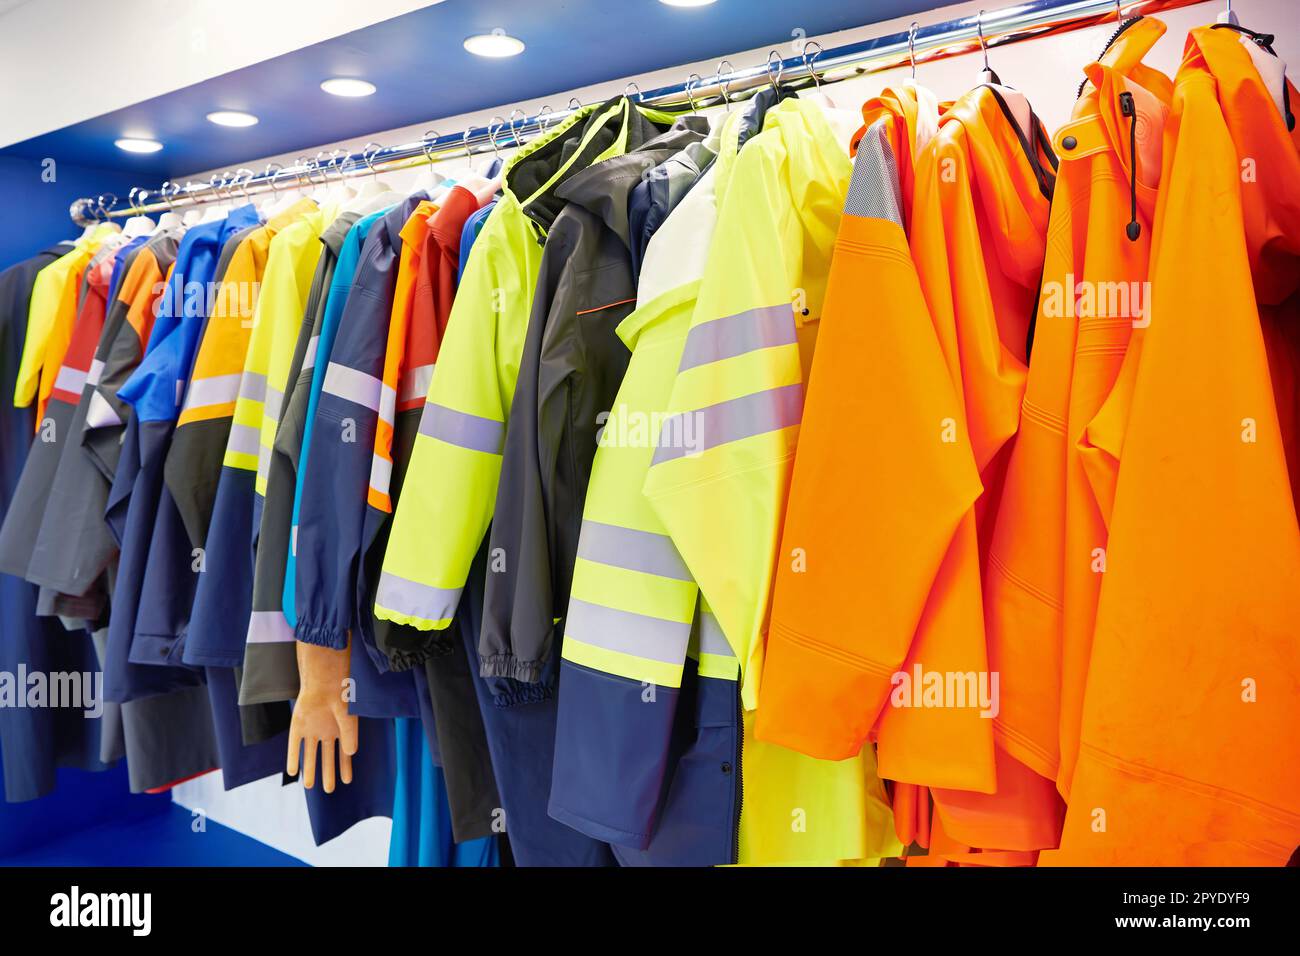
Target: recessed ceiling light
{"points": [[347, 86], [132, 145], [687, 3], [498, 43], [232, 118]]}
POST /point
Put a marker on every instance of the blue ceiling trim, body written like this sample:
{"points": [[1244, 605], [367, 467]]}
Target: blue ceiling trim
{"points": [[422, 72]]}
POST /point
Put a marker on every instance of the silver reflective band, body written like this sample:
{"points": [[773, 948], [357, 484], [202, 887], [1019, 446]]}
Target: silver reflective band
{"points": [[96, 370], [632, 550], [352, 386], [387, 404], [218, 390], [100, 414], [458, 428], [309, 360], [415, 383], [244, 440], [415, 599], [70, 380], [274, 402], [627, 632], [381, 473], [269, 627], [748, 331], [252, 386], [732, 420], [712, 640]]}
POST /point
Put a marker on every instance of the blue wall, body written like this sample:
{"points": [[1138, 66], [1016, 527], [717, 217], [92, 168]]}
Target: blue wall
{"points": [[34, 213]]}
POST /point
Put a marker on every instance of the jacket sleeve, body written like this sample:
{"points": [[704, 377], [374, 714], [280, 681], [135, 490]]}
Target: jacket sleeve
{"points": [[332, 506], [456, 460], [518, 611]]}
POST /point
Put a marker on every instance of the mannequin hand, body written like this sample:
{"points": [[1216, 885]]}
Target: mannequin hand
{"points": [[321, 716]]}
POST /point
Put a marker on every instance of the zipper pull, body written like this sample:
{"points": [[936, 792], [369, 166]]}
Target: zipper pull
{"points": [[1128, 108]]}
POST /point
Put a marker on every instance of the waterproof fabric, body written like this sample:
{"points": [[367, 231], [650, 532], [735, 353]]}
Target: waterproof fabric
{"points": [[36, 741], [462, 430], [570, 369], [1198, 453], [635, 615], [1047, 553], [934, 398]]}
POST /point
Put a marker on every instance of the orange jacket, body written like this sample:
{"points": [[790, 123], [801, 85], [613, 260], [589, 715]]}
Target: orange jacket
{"points": [[1188, 748], [1047, 555], [907, 419]]}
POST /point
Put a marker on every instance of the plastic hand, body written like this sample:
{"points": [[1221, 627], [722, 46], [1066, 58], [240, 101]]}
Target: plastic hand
{"points": [[320, 717]]}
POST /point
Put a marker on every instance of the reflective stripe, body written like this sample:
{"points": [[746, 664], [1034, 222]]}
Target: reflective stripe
{"points": [[627, 632], [415, 384], [729, 421], [100, 414], [252, 386], [631, 549], [458, 428], [387, 404], [712, 640], [274, 402], [263, 468], [417, 600], [96, 370], [724, 338], [70, 380], [309, 360], [244, 440], [353, 386], [381, 473], [217, 390], [269, 627]]}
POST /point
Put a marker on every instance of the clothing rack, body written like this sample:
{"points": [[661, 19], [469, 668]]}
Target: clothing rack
{"points": [[813, 66]]}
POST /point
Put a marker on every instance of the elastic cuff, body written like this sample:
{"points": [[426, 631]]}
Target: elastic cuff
{"points": [[507, 665], [524, 694], [322, 635]]}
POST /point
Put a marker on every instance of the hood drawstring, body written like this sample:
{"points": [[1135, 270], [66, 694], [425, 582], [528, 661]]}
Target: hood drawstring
{"points": [[1128, 108]]}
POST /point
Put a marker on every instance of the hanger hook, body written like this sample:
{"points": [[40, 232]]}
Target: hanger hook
{"points": [[493, 129], [516, 132], [166, 198], [780, 69], [911, 46], [725, 85], [369, 155], [631, 90], [274, 175], [105, 210], [574, 103], [545, 111], [430, 137], [809, 61], [465, 143], [130, 199], [337, 155], [697, 79], [979, 27]]}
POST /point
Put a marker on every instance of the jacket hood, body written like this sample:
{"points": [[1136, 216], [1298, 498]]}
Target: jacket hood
{"points": [[603, 189], [535, 173]]}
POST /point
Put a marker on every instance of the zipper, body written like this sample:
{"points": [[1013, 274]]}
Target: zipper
{"points": [[1119, 31], [1128, 108], [740, 775]]}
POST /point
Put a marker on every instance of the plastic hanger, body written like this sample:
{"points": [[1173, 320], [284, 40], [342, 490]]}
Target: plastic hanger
{"points": [[1228, 16], [138, 224]]}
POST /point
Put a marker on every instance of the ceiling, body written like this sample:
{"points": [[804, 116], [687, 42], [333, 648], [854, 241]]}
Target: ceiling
{"points": [[423, 73]]}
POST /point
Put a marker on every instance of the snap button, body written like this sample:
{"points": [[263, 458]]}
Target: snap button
{"points": [[1069, 142]]}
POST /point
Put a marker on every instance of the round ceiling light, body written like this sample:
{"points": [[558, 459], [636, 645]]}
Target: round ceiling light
{"points": [[132, 144], [347, 86], [498, 43], [232, 118]]}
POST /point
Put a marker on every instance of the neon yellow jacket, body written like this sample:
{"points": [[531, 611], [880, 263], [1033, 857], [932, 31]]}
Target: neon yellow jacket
{"points": [[456, 460]]}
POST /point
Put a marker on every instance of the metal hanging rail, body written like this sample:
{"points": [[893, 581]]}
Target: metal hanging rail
{"points": [[1036, 18]]}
